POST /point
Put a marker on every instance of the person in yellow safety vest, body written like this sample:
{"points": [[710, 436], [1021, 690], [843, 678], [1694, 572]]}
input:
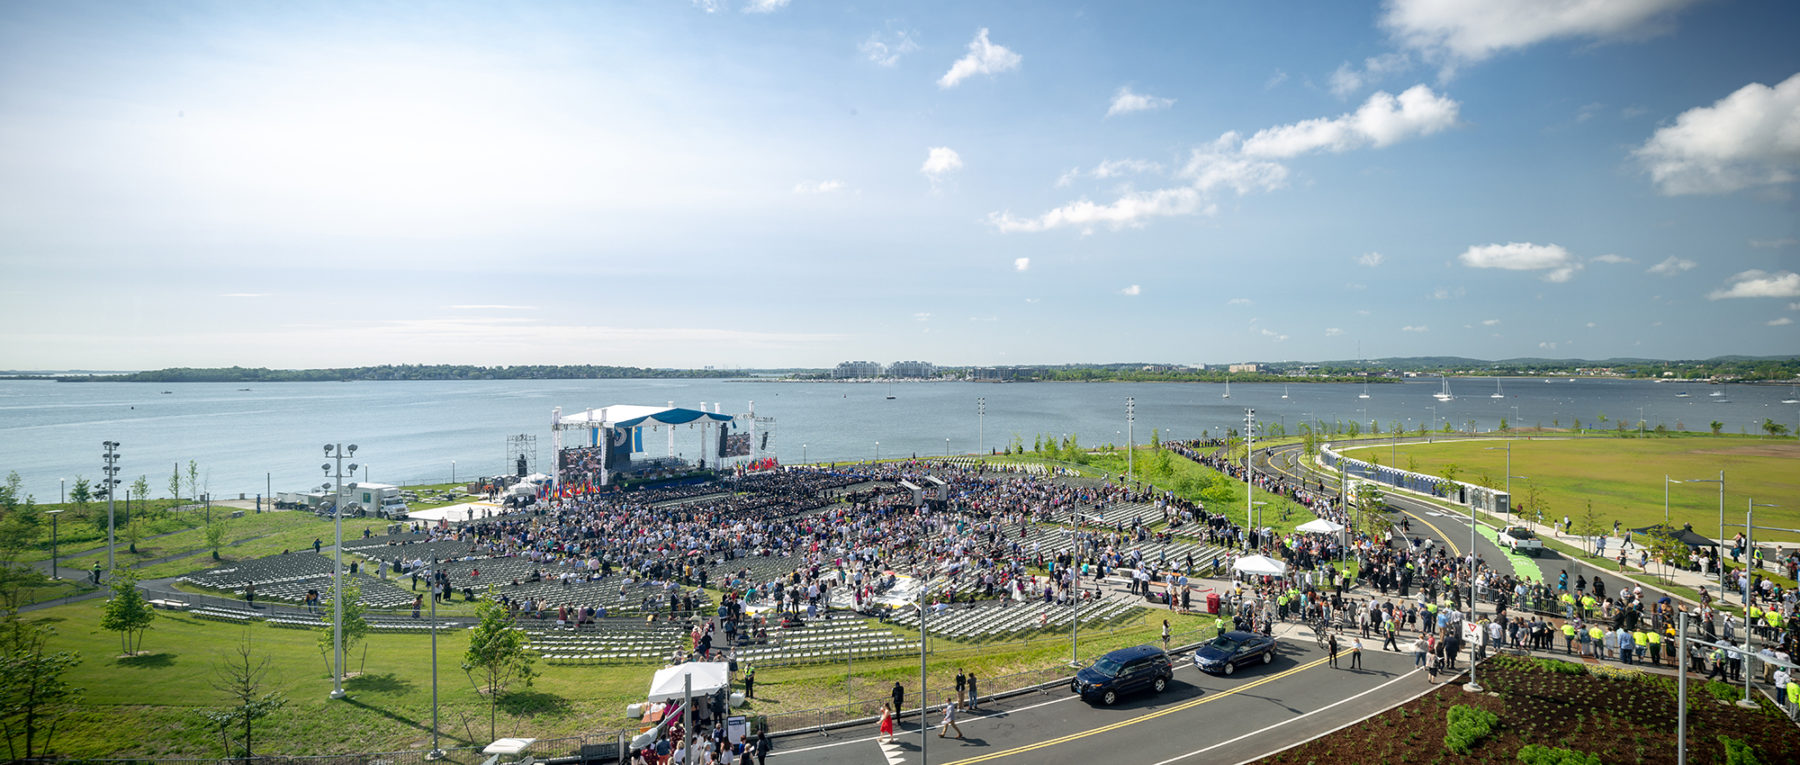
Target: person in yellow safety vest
{"points": [[1598, 637], [1793, 696], [1641, 644], [1568, 638], [1587, 605], [1773, 618], [1655, 641]]}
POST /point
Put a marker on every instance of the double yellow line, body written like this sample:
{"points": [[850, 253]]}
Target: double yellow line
{"points": [[1135, 720]]}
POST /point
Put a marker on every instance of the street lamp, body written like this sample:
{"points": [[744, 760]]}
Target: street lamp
{"points": [[981, 435], [1719, 548], [1250, 523], [1249, 465], [53, 514], [436, 752], [337, 453], [946, 448], [1750, 506], [803, 454], [1130, 437], [877, 451], [62, 484]]}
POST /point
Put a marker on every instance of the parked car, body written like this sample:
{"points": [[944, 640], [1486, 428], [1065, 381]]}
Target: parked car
{"points": [[1124, 672], [1521, 540], [1226, 652]]}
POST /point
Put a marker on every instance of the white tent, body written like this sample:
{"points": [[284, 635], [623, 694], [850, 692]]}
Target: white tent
{"points": [[709, 676], [1320, 526], [1259, 565]]}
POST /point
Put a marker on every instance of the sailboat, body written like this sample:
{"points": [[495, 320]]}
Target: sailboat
{"points": [[1497, 393], [1791, 399], [890, 393], [1683, 394], [1365, 393], [1443, 395], [1227, 388], [1284, 391]]}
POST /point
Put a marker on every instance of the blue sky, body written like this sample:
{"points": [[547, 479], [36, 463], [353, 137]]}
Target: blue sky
{"points": [[767, 183]]}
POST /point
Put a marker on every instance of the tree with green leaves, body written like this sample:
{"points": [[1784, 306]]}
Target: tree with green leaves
{"points": [[215, 537], [133, 534], [1717, 427], [127, 613], [1155, 438], [1589, 526], [175, 484], [1667, 549], [240, 678], [34, 693], [193, 480], [497, 656], [356, 625], [141, 488], [1774, 428]]}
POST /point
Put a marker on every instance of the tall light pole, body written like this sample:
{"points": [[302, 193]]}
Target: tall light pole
{"points": [[1750, 506], [1249, 465], [111, 471], [803, 454], [337, 453], [1474, 608], [981, 434], [453, 471], [62, 485], [1666, 481], [1130, 437], [53, 514], [946, 448], [436, 752], [1719, 549], [877, 451]]}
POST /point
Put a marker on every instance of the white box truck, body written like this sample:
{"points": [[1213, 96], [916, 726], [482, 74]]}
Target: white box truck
{"points": [[380, 500]]}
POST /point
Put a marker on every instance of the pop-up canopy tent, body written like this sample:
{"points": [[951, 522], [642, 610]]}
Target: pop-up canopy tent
{"points": [[708, 677], [1319, 526], [1259, 565], [1686, 534]]}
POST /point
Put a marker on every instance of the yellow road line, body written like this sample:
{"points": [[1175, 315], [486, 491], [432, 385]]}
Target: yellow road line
{"points": [[1135, 720]]}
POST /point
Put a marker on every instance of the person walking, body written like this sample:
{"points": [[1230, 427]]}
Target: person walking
{"points": [[1331, 646], [887, 723], [962, 686], [974, 695], [1356, 653], [899, 694], [1165, 635], [949, 722], [762, 746], [1431, 668]]}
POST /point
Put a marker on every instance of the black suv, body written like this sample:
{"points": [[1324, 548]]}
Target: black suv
{"points": [[1123, 672]]}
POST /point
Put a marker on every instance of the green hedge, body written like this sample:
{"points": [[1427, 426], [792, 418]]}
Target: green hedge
{"points": [[1738, 752], [1467, 726], [1536, 754]]}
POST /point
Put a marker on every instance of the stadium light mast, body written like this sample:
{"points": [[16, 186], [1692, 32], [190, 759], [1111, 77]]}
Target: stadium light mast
{"points": [[111, 471], [337, 453]]}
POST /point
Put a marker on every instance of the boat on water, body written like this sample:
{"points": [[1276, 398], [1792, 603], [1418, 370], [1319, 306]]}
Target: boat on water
{"points": [[1443, 395], [1793, 398], [1497, 393], [1284, 391], [1683, 394], [1717, 394], [890, 393], [1227, 388]]}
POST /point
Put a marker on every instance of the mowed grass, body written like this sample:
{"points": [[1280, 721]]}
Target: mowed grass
{"points": [[1623, 477], [256, 535], [147, 706]]}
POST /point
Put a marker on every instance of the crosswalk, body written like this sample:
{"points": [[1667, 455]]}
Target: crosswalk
{"points": [[891, 751]]}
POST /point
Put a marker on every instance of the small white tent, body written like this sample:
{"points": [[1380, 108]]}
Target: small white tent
{"points": [[1320, 526], [1259, 565], [709, 676]]}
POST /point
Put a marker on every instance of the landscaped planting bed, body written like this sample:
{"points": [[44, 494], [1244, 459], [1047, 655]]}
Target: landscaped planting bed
{"points": [[1622, 716]]}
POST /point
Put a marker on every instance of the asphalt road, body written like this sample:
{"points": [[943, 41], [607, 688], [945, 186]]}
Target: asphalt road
{"points": [[1200, 718]]}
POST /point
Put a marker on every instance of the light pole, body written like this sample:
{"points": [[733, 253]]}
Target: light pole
{"points": [[1750, 506], [1249, 466], [337, 453], [453, 471], [1474, 608], [1641, 432], [111, 471], [981, 434], [1130, 437], [436, 753], [53, 514], [62, 485], [877, 451], [946, 448], [803, 454], [1719, 548]]}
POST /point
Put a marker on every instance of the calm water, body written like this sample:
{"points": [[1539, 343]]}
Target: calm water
{"points": [[412, 431]]}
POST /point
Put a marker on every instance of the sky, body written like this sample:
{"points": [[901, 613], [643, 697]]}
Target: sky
{"points": [[775, 183]]}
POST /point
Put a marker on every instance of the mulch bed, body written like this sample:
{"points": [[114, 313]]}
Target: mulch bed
{"points": [[1624, 719]]}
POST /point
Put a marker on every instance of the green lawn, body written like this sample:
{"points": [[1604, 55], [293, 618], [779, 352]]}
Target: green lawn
{"points": [[252, 536], [1185, 476], [1623, 477], [147, 705]]}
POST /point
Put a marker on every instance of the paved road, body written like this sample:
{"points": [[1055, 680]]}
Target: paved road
{"points": [[1201, 718]]}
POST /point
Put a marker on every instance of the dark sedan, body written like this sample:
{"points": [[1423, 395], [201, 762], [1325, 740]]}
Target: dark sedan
{"points": [[1227, 651]]}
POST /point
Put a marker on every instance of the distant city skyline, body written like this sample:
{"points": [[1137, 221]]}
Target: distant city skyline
{"points": [[778, 183]]}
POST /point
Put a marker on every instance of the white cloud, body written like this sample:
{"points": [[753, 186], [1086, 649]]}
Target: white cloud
{"points": [[1794, 306], [1556, 263], [1370, 259], [1069, 176], [1222, 165], [1672, 266], [1771, 244], [1412, 328], [1382, 120], [1611, 258], [1275, 80], [1127, 210], [1454, 31], [1021, 264], [1548, 346], [1333, 332], [1348, 79], [1445, 293], [491, 307], [1591, 325], [1116, 167], [1755, 284], [710, 6], [1238, 301], [886, 50], [1132, 290], [922, 316], [1490, 322], [765, 6], [818, 187], [940, 161], [245, 294], [1272, 333], [983, 58], [1781, 322], [1126, 102], [1749, 138]]}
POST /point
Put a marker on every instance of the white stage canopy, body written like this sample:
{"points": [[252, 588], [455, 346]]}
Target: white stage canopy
{"points": [[709, 676], [629, 416], [1259, 565], [1320, 526]]}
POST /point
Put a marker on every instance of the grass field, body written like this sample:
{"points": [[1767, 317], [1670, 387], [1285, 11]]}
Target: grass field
{"points": [[1623, 477], [148, 705]]}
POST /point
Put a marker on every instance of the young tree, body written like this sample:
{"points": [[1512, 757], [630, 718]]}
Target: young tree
{"points": [[133, 534], [34, 695], [496, 656], [215, 537], [127, 613], [1590, 526], [1155, 438], [11, 492], [1774, 428], [240, 678], [141, 488], [193, 480], [356, 627], [1666, 548], [1717, 427], [175, 484]]}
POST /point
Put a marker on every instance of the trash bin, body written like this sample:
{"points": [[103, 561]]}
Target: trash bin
{"points": [[1212, 603]]}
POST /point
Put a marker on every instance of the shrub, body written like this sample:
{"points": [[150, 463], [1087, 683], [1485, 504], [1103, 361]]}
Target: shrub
{"points": [[1561, 667], [1724, 691], [1467, 726], [1738, 752], [1535, 754]]}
